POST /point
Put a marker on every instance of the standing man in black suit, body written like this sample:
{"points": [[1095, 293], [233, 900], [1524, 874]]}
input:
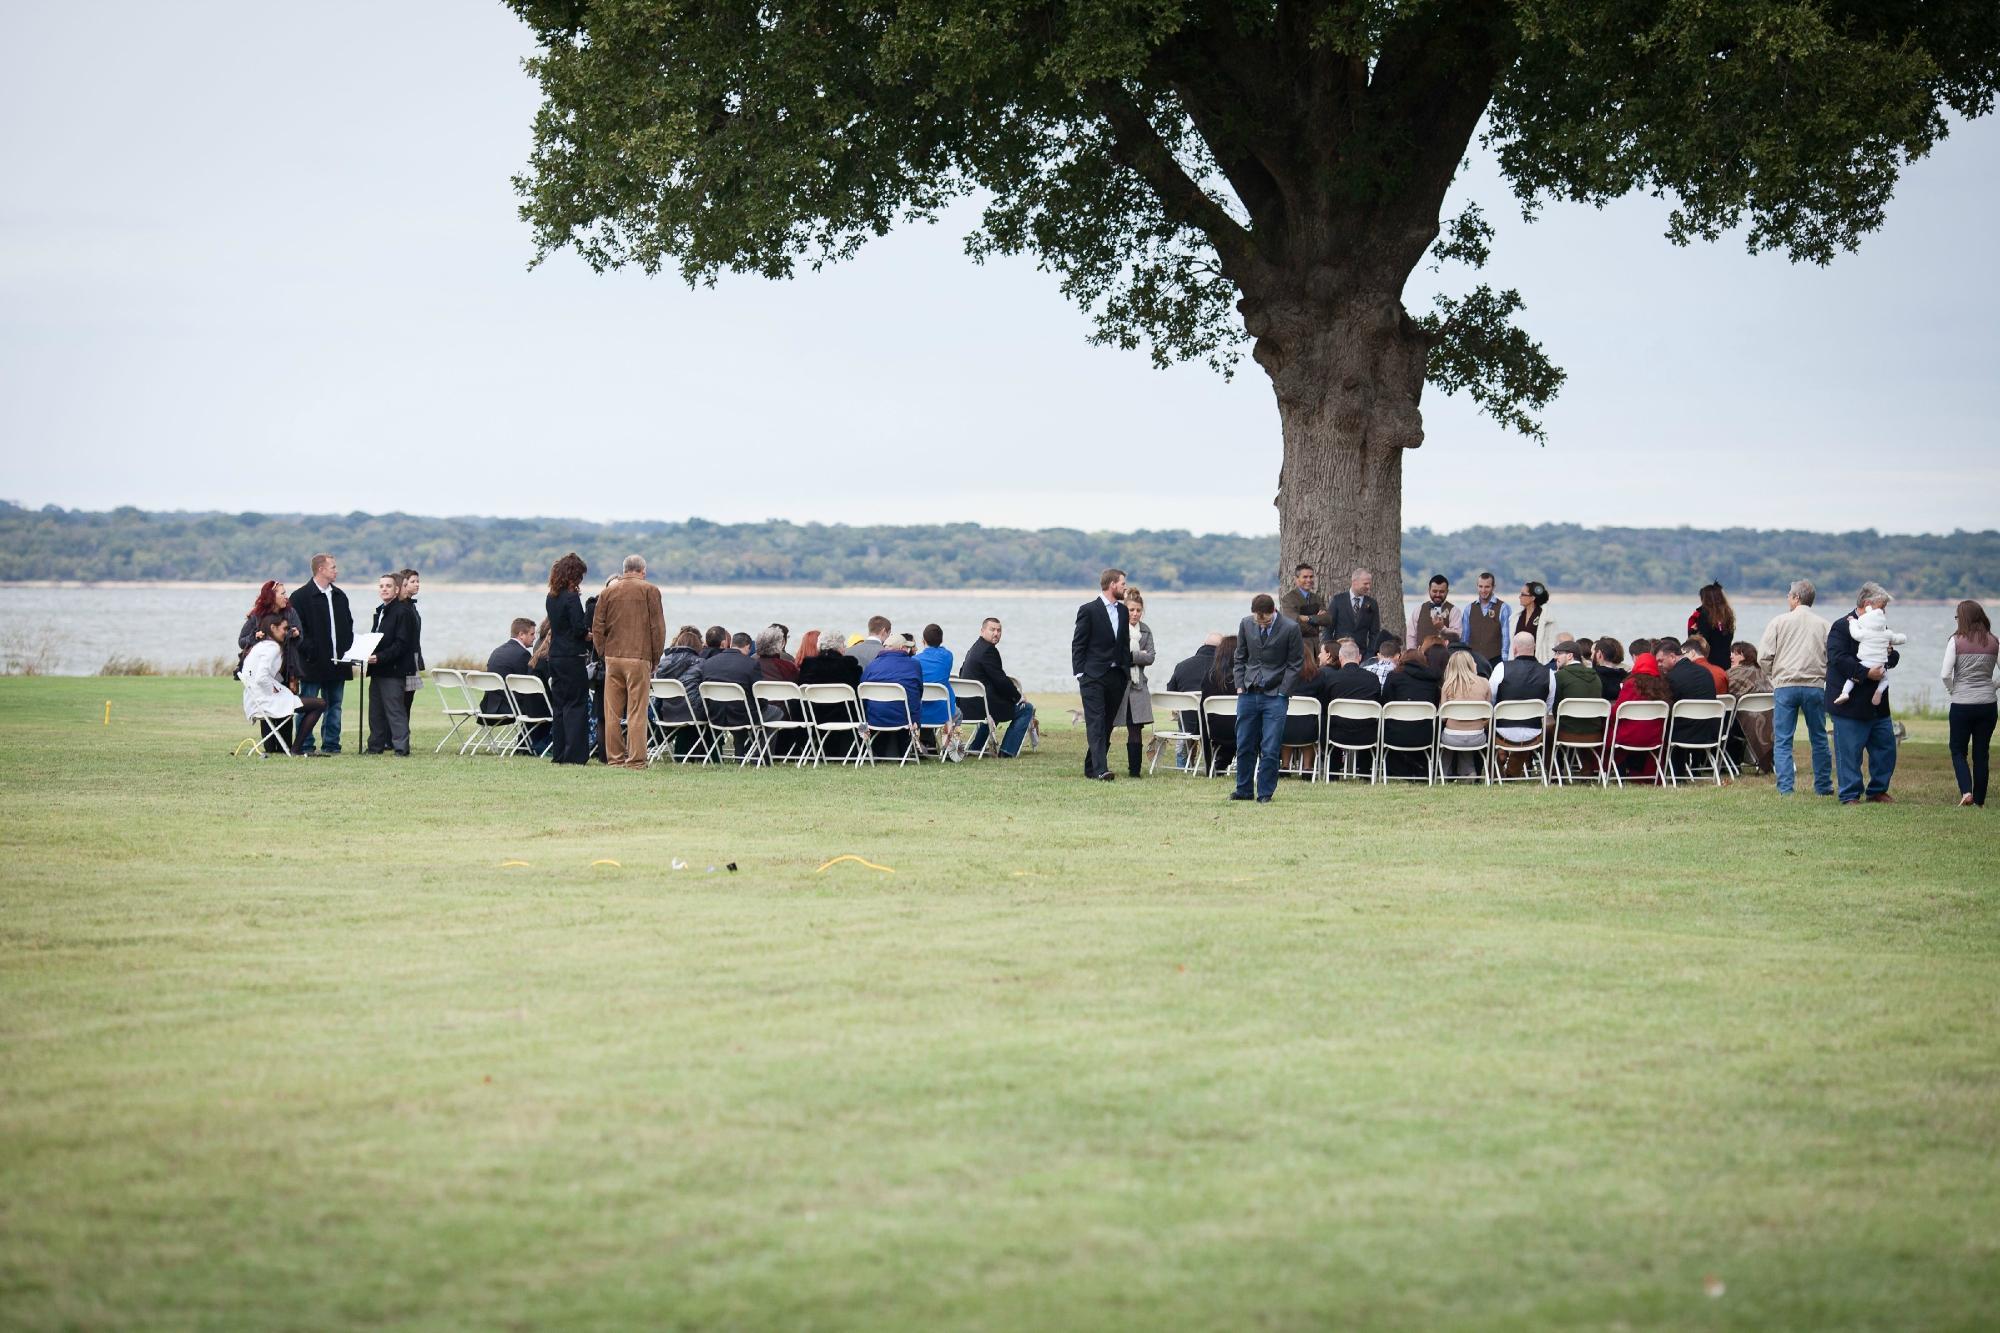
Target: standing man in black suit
{"points": [[329, 632], [1354, 614], [1100, 653]]}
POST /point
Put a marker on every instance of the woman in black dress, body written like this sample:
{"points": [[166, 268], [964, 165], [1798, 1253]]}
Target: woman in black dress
{"points": [[1714, 623], [568, 687], [1221, 733]]}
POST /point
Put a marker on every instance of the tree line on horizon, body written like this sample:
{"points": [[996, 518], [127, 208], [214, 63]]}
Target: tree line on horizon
{"points": [[52, 543]]}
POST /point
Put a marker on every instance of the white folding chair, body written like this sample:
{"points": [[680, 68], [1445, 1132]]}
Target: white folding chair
{"points": [[268, 729], [1521, 713], [1749, 705], [894, 697], [1303, 706], [665, 692], [1698, 712], [490, 730], [1218, 710], [1352, 710], [746, 737], [935, 693], [449, 683], [1408, 710], [1566, 751], [1638, 710], [1174, 704], [976, 710], [1466, 710], [835, 711], [521, 687], [789, 702]]}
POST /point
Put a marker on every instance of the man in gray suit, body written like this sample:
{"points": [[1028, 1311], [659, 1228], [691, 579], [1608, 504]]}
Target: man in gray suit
{"points": [[1270, 653]]}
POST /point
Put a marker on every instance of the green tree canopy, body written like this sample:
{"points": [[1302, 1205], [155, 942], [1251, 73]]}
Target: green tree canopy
{"points": [[1205, 172]]}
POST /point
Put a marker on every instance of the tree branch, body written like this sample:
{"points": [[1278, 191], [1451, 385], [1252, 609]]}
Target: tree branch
{"points": [[1139, 147]]}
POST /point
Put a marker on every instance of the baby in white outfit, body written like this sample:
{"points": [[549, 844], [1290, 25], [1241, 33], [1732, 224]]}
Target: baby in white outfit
{"points": [[1872, 641]]}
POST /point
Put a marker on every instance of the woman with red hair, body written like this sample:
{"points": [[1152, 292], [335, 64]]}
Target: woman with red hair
{"points": [[273, 600], [1645, 683]]}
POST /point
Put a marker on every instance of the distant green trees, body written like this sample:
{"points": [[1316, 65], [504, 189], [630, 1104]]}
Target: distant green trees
{"points": [[128, 543]]}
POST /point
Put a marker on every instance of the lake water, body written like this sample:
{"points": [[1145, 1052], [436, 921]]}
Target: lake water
{"points": [[76, 629]]}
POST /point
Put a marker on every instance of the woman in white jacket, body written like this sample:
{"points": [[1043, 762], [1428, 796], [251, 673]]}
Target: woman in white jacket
{"points": [[266, 700]]}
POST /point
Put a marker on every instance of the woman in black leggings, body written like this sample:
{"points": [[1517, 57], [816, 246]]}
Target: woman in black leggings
{"points": [[1969, 657]]}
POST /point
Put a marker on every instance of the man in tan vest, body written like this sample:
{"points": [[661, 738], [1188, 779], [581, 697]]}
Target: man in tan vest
{"points": [[630, 631]]}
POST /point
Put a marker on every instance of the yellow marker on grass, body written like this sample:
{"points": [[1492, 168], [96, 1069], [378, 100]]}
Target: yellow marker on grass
{"points": [[107, 712]]}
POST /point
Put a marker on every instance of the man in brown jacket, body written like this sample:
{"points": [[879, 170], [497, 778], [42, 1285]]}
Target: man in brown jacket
{"points": [[630, 631]]}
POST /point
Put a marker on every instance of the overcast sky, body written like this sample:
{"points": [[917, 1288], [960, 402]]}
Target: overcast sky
{"points": [[266, 256]]}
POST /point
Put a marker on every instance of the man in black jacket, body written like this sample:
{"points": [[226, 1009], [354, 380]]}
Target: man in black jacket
{"points": [[514, 658], [388, 667], [1270, 654], [1354, 614], [1003, 700], [1860, 725], [1686, 679], [1100, 655], [734, 665], [328, 633], [1350, 680]]}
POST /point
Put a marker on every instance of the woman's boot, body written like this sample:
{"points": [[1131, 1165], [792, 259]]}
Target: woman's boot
{"points": [[1135, 756]]}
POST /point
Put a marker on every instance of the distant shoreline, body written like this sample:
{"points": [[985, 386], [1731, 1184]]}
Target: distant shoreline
{"points": [[433, 588]]}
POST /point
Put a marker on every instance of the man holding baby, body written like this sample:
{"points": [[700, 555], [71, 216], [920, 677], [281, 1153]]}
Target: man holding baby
{"points": [[1860, 653]]}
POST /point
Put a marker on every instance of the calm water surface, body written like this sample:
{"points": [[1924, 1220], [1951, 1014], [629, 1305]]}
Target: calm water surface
{"points": [[173, 627]]}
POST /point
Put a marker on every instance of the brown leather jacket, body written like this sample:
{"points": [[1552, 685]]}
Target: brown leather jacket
{"points": [[630, 621]]}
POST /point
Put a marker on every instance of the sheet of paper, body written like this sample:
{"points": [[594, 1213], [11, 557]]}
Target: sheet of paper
{"points": [[364, 647]]}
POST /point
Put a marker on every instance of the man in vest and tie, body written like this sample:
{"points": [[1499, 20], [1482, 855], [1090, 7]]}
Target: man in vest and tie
{"points": [[1306, 606], [1435, 614], [1270, 653], [1486, 624]]}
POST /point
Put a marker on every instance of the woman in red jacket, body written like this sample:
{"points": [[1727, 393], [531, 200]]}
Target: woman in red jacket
{"points": [[1645, 683]]}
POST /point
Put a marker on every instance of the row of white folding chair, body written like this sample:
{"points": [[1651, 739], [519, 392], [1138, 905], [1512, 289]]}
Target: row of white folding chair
{"points": [[812, 713], [462, 695]]}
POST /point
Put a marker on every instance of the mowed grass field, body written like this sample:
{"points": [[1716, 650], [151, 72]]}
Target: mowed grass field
{"points": [[283, 1044]]}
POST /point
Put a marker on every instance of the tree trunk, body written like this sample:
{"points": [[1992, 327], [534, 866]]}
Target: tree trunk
{"points": [[1348, 375]]}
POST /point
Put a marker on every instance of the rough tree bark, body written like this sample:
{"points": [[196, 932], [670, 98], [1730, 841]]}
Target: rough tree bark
{"points": [[1349, 375]]}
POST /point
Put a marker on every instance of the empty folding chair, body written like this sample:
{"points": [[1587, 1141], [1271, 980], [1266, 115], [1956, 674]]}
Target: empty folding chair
{"points": [[674, 727], [493, 718], [1173, 710], [1584, 738], [1408, 712], [1728, 702], [1638, 710], [459, 707], [837, 725], [1218, 716], [1521, 714], [1344, 754], [891, 699], [975, 711], [1691, 718], [1465, 710], [732, 713], [784, 715], [528, 715], [1302, 706]]}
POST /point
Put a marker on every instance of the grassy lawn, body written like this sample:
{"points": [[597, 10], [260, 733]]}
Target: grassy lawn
{"points": [[283, 1044]]}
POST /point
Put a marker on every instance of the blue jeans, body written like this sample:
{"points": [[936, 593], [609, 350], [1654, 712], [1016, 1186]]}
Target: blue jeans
{"points": [[329, 723], [1260, 726], [1850, 739], [1790, 703], [1017, 731]]}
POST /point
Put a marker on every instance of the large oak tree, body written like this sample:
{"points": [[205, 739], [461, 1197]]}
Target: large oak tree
{"points": [[1202, 170]]}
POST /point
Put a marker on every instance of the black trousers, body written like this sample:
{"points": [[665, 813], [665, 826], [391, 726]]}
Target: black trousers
{"points": [[1972, 730], [569, 697], [1101, 697], [388, 715]]}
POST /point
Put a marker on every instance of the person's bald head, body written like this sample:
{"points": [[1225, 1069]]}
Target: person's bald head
{"points": [[1213, 640], [1524, 645], [1350, 653]]}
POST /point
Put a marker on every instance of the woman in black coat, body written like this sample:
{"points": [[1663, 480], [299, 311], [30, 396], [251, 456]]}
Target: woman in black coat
{"points": [[1221, 680], [1414, 680], [569, 689], [828, 664]]}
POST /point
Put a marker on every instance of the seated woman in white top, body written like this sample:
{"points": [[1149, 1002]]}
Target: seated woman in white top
{"points": [[266, 701]]}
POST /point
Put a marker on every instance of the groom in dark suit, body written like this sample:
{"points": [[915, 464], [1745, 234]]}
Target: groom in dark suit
{"points": [[1354, 615], [1100, 653]]}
